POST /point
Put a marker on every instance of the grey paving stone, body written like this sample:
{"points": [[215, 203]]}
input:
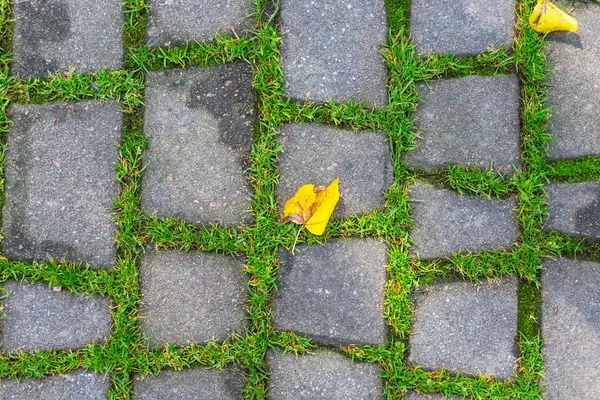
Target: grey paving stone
{"points": [[76, 385], [473, 121], [428, 396], [191, 297], [466, 328], [35, 317], [447, 223], [571, 329], [60, 182], [56, 35], [574, 209], [175, 22], [191, 384], [333, 293], [574, 91], [462, 27], [198, 123], [325, 375], [314, 153], [331, 50]]}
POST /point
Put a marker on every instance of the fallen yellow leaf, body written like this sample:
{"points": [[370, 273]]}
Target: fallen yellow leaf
{"points": [[312, 206], [547, 17]]}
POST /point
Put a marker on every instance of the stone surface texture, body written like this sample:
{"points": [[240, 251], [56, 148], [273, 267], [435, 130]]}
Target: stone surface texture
{"points": [[447, 223], [473, 121], [325, 375], [574, 209], [466, 328], [331, 50], [198, 123], [176, 22], [191, 297], [76, 385], [36, 317], [191, 384], [60, 182], [462, 27], [314, 153], [333, 293], [574, 90], [571, 329], [56, 35]]}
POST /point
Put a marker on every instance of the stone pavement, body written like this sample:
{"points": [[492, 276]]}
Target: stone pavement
{"points": [[200, 124]]}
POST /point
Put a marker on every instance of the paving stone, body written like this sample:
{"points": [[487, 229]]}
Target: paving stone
{"points": [[77, 385], [473, 121], [314, 153], [56, 35], [331, 50], [196, 20], [428, 396], [325, 375], [191, 384], [466, 327], [35, 317], [574, 90], [333, 293], [574, 209], [198, 123], [462, 27], [571, 329], [447, 223], [60, 182], [191, 297]]}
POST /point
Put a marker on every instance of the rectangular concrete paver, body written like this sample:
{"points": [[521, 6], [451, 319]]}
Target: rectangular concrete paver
{"points": [[571, 329], [447, 223], [331, 50], [198, 123], [191, 297], [56, 35], [60, 182], [472, 121], [36, 317], [324, 375], [466, 328], [76, 385]]}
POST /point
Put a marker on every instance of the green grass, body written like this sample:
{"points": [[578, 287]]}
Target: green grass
{"points": [[125, 354]]}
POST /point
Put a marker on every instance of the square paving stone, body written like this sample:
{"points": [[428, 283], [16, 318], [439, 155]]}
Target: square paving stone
{"points": [[466, 328], [176, 22], [56, 35], [447, 222], [473, 121], [333, 293], [571, 329], [198, 123], [191, 297], [574, 209], [314, 153], [77, 385], [60, 182], [191, 384], [331, 50], [574, 90], [326, 375], [36, 317], [462, 27]]}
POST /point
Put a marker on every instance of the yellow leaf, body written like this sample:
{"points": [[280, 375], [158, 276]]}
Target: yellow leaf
{"points": [[298, 209], [547, 17]]}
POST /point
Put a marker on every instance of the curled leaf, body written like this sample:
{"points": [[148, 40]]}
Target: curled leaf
{"points": [[547, 17], [312, 206]]}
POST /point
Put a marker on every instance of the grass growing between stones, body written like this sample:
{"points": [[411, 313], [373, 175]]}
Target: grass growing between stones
{"points": [[125, 354]]}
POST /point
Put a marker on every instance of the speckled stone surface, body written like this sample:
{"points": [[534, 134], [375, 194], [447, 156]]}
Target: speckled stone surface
{"points": [[331, 50], [198, 123], [466, 328], [56, 35], [60, 182], [76, 385]]}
